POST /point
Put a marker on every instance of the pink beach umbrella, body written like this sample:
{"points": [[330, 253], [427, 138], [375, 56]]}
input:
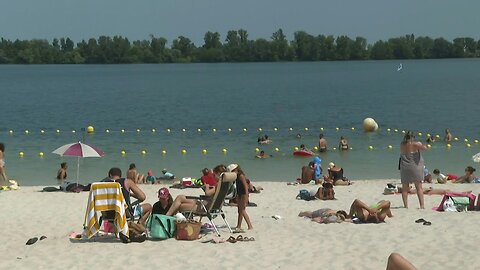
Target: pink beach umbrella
{"points": [[79, 150]]}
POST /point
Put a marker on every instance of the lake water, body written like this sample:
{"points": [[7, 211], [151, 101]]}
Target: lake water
{"points": [[281, 99]]}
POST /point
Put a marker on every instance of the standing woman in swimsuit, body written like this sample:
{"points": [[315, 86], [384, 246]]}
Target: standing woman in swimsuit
{"points": [[3, 175], [411, 167], [242, 195]]}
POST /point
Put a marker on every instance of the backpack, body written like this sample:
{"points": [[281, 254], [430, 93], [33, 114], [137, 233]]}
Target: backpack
{"points": [[326, 192], [304, 195]]}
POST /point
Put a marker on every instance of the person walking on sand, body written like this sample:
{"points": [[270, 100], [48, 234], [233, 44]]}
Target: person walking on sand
{"points": [[242, 196], [3, 174], [411, 168]]}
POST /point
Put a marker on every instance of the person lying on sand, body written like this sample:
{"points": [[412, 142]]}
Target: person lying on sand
{"points": [[325, 215], [427, 191], [370, 214]]}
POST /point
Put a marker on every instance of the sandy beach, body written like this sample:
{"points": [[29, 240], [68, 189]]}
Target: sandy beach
{"points": [[449, 243]]}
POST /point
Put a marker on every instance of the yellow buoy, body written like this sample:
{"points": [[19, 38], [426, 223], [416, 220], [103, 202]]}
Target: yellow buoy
{"points": [[164, 152], [428, 135], [469, 145], [214, 130], [449, 145], [204, 151], [224, 150], [245, 130], [390, 147], [199, 129], [154, 130], [395, 130], [107, 130], [90, 129], [403, 131], [123, 152], [465, 140], [295, 148], [337, 128], [388, 129], [353, 129], [260, 129], [334, 148], [10, 131], [122, 130], [73, 131], [257, 149], [314, 148], [42, 131], [321, 129], [138, 130], [21, 154], [275, 129], [351, 148], [184, 151], [229, 130], [58, 130], [455, 139], [168, 130], [429, 146], [290, 129], [276, 149], [26, 131], [475, 141], [184, 129], [144, 152], [370, 147], [40, 154], [420, 134], [306, 129], [437, 136]]}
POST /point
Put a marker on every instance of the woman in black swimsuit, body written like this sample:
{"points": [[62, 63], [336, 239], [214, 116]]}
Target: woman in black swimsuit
{"points": [[343, 144], [242, 195]]}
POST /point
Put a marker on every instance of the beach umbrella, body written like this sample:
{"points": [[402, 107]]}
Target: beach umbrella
{"points": [[476, 157], [79, 150]]}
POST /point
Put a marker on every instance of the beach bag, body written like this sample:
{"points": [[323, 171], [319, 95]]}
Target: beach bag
{"points": [[187, 229], [161, 226], [461, 201], [304, 194]]}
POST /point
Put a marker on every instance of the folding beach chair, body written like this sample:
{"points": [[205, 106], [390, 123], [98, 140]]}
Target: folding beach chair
{"points": [[105, 197], [211, 206]]}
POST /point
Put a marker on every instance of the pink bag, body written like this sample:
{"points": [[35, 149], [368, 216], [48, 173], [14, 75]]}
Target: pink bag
{"points": [[469, 195]]}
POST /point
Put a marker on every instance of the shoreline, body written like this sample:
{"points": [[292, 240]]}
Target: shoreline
{"points": [[282, 243]]}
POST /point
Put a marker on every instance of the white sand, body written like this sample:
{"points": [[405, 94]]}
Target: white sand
{"points": [[291, 242]]}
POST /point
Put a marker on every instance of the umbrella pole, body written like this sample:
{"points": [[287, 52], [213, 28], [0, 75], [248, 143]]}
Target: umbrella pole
{"points": [[78, 168]]}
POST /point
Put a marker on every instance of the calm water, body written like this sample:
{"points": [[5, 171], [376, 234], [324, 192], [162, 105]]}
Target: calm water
{"points": [[426, 96]]}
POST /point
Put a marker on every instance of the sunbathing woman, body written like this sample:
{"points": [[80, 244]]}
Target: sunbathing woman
{"points": [[325, 215], [469, 176], [182, 204], [432, 191], [373, 214]]}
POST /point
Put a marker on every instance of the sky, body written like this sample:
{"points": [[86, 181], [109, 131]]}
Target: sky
{"points": [[372, 19]]}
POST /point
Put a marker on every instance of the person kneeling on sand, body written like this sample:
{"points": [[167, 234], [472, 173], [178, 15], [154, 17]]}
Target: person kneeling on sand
{"points": [[370, 214], [335, 176]]}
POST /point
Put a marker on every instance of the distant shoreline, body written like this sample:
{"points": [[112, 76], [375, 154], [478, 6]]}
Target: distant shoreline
{"points": [[236, 48]]}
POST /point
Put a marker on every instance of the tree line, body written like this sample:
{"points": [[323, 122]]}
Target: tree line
{"points": [[236, 47]]}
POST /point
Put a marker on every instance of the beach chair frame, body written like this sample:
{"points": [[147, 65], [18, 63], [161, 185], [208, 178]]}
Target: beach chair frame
{"points": [[211, 206]]}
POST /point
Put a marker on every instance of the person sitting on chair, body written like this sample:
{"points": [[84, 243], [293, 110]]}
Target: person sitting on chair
{"points": [[130, 189], [182, 204]]}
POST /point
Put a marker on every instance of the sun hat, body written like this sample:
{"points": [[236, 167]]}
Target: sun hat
{"points": [[163, 193], [232, 167], [331, 165]]}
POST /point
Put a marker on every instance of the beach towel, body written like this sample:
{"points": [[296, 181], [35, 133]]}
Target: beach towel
{"points": [[105, 196], [461, 200]]}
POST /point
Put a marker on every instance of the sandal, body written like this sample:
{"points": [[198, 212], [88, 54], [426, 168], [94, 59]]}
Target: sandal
{"points": [[421, 220], [231, 239], [238, 230], [427, 223], [31, 241], [240, 238]]}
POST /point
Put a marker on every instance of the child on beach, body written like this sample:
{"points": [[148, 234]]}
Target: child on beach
{"points": [[150, 178], [441, 178], [242, 196]]}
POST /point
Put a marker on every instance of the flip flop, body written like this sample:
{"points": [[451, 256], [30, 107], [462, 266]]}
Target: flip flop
{"points": [[31, 241], [421, 220], [427, 223], [42, 237], [246, 239], [231, 239], [240, 238]]}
